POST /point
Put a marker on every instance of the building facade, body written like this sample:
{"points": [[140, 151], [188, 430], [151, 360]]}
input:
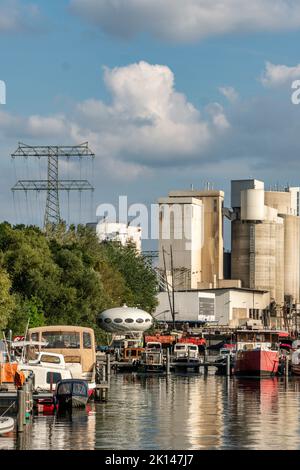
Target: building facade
{"points": [[191, 226]]}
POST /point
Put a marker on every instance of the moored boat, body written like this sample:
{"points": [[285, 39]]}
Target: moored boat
{"points": [[295, 362], [71, 393], [152, 360], [186, 356], [257, 353], [6, 424]]}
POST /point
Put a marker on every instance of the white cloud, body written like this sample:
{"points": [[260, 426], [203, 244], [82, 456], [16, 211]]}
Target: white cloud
{"points": [[277, 75], [188, 20], [230, 93], [16, 16], [147, 123]]}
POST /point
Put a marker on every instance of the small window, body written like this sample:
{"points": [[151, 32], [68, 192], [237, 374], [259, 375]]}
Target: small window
{"points": [[129, 320], [118, 320], [139, 320], [108, 320], [53, 377], [50, 359], [147, 320], [87, 341], [34, 336]]}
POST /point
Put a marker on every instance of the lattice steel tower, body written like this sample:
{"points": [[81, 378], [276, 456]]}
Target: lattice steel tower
{"points": [[53, 184]]}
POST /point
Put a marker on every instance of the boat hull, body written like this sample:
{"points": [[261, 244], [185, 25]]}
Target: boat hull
{"points": [[296, 369], [6, 425], [72, 402], [256, 363]]}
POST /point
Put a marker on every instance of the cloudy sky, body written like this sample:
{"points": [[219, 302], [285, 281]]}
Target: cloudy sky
{"points": [[168, 93]]}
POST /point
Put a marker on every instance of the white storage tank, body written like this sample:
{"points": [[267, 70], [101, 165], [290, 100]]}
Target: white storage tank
{"points": [[122, 319], [252, 204]]}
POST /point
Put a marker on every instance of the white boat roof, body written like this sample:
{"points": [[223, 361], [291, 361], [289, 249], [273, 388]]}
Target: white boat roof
{"points": [[21, 344]]}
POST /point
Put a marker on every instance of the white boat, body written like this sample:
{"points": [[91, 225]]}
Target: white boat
{"points": [[152, 359], [186, 352], [186, 356], [6, 425], [51, 368]]}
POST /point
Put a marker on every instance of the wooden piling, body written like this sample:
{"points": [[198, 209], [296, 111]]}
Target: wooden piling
{"points": [[228, 365], [168, 362], [108, 366], [21, 410], [286, 366]]}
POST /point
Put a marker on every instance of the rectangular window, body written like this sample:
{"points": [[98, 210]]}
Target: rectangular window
{"points": [[87, 341], [53, 377], [61, 340]]}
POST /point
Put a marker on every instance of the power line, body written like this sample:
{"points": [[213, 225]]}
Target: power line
{"points": [[53, 185]]}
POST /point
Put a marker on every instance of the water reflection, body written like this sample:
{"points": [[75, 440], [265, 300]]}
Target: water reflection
{"points": [[183, 412]]}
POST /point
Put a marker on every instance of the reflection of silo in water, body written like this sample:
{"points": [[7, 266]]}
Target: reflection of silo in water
{"points": [[193, 414]]}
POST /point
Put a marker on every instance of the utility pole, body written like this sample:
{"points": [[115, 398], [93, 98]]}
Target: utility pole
{"points": [[168, 289], [173, 290]]}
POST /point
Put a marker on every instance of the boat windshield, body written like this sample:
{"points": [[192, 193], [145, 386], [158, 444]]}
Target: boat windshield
{"points": [[79, 389], [58, 340], [65, 388]]}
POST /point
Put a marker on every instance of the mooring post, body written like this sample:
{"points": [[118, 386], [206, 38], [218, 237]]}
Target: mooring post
{"points": [[108, 366], [26, 398], [228, 365], [21, 410], [286, 366]]}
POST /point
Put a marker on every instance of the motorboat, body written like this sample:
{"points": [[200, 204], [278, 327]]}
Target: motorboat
{"points": [[257, 352], [6, 424], [152, 359], [295, 362], [72, 393], [186, 356]]}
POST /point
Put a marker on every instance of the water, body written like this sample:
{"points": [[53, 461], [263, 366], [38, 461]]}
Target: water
{"points": [[186, 412]]}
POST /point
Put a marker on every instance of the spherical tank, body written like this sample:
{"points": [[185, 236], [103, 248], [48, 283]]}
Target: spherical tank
{"points": [[122, 319]]}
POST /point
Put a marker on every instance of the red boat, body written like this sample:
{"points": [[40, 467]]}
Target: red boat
{"points": [[257, 352]]}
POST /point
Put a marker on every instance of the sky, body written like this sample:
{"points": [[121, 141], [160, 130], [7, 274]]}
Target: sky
{"points": [[168, 94]]}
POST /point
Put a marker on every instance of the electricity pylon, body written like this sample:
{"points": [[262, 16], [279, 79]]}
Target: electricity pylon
{"points": [[53, 184]]}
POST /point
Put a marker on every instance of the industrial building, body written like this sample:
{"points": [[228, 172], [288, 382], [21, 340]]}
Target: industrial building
{"points": [[233, 307], [263, 281], [265, 240], [191, 227], [120, 232]]}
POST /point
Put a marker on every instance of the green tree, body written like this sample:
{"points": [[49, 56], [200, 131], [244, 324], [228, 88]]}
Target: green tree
{"points": [[7, 301]]}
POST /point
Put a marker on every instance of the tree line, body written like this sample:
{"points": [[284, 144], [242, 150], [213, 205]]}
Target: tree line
{"points": [[68, 277]]}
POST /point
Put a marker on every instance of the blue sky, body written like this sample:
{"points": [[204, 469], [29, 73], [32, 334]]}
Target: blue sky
{"points": [[182, 131]]}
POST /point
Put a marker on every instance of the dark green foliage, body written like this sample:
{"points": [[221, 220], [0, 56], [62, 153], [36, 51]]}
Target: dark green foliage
{"points": [[68, 278]]}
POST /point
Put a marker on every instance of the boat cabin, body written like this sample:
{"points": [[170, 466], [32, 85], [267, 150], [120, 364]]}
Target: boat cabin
{"points": [[186, 350], [75, 343], [257, 339], [153, 354], [46, 376], [132, 354]]}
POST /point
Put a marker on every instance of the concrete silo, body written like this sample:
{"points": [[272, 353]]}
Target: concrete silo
{"points": [[282, 202], [257, 240]]}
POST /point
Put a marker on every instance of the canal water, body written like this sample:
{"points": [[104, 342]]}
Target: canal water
{"points": [[190, 412]]}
